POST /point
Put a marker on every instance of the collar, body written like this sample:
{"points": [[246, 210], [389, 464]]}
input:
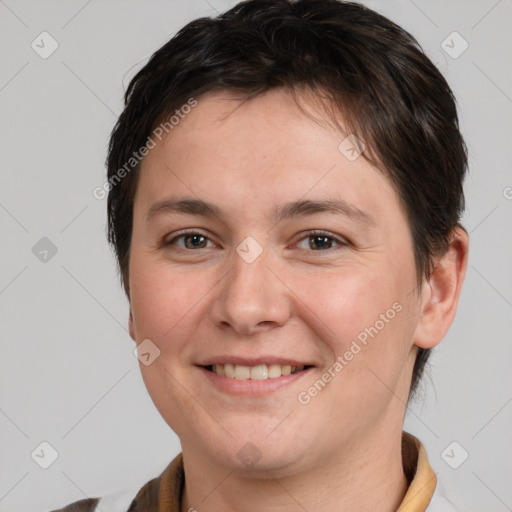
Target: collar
{"points": [[421, 477]]}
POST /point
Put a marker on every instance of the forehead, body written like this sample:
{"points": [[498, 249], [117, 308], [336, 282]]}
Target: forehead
{"points": [[265, 149], [276, 112]]}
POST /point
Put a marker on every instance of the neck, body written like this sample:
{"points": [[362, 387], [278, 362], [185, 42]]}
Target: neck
{"points": [[366, 475]]}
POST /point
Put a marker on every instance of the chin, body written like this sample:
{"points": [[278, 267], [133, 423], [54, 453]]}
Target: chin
{"points": [[257, 452]]}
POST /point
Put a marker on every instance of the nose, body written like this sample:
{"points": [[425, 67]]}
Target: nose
{"points": [[252, 297]]}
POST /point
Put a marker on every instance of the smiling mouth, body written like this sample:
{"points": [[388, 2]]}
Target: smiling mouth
{"points": [[258, 372]]}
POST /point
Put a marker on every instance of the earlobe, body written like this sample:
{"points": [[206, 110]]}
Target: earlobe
{"points": [[442, 291]]}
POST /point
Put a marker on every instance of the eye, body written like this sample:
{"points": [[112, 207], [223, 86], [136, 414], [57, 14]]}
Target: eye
{"points": [[320, 241], [189, 241], [315, 241]]}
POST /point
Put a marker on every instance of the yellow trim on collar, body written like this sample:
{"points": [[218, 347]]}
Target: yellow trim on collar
{"points": [[424, 480]]}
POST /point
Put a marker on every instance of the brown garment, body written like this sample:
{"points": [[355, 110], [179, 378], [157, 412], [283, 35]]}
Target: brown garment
{"points": [[164, 493]]}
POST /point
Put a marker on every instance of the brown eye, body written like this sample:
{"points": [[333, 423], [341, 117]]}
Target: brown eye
{"points": [[195, 241], [191, 240], [319, 241]]}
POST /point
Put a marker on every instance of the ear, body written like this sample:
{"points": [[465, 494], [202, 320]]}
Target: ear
{"points": [[130, 326], [440, 293]]}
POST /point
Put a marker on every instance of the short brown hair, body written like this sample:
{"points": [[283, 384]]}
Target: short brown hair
{"points": [[374, 73]]}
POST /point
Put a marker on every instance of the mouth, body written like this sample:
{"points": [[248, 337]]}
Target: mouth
{"points": [[253, 376], [257, 372]]}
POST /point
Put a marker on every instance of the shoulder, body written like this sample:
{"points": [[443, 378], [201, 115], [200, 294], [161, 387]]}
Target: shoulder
{"points": [[87, 505], [167, 486], [125, 500]]}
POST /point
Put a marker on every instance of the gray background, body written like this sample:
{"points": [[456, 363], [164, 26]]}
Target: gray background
{"points": [[67, 372]]}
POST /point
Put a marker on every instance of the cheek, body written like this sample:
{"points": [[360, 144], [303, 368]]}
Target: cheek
{"points": [[163, 305], [365, 320], [362, 314], [350, 300], [161, 302]]}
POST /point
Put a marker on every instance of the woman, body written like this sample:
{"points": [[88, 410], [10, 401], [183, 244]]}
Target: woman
{"points": [[285, 190]]}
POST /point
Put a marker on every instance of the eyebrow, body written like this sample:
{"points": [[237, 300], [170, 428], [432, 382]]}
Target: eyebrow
{"points": [[286, 211]]}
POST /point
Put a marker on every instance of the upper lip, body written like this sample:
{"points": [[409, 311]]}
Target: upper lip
{"points": [[253, 361]]}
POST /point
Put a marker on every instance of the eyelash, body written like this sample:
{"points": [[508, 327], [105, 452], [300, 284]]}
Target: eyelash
{"points": [[310, 234]]}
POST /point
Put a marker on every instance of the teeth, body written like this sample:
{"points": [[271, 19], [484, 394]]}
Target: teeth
{"points": [[229, 370], [219, 368], [286, 369], [274, 371], [242, 372], [260, 372]]}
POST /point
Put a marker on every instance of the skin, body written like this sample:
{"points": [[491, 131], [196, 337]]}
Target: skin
{"points": [[342, 450]]}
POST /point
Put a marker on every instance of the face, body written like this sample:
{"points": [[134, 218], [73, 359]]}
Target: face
{"points": [[260, 249]]}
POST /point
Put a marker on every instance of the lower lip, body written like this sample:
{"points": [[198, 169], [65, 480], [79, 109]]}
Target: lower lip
{"points": [[250, 386]]}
